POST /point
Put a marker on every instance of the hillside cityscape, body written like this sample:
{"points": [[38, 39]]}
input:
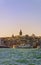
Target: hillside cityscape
{"points": [[21, 41]]}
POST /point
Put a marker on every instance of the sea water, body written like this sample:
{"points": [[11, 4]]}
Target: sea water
{"points": [[20, 56]]}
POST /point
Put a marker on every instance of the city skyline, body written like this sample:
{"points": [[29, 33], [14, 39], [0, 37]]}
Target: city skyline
{"points": [[20, 14]]}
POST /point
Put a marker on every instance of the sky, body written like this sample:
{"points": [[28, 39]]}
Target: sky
{"points": [[20, 14]]}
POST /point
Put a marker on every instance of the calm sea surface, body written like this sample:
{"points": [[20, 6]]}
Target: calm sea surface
{"points": [[20, 56]]}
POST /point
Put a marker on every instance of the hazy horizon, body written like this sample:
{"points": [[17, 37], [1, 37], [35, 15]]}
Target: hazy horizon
{"points": [[20, 14]]}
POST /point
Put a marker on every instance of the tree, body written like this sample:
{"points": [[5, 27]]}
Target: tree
{"points": [[20, 33], [12, 36], [26, 37], [33, 35]]}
